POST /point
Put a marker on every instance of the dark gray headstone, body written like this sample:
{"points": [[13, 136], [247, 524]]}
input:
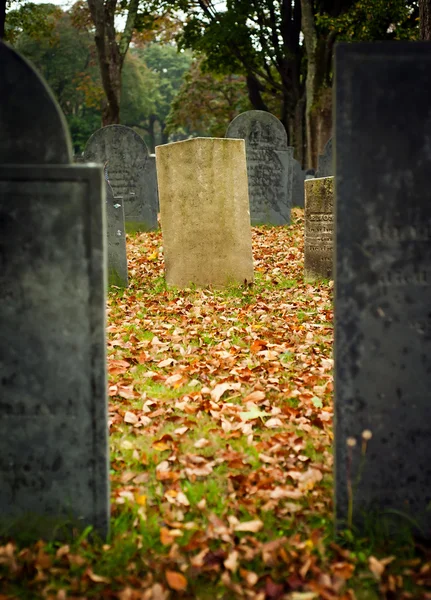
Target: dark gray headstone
{"points": [[319, 228], [117, 254], [298, 177], [383, 278], [326, 166], [53, 401], [26, 134], [127, 156], [269, 166]]}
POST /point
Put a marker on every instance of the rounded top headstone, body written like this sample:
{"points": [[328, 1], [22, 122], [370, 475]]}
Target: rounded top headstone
{"points": [[33, 128], [119, 143], [260, 128]]}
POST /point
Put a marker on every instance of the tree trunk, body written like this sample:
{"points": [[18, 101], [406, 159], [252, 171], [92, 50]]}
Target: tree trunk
{"points": [[425, 19], [2, 17], [254, 93], [111, 54], [299, 132], [310, 40]]}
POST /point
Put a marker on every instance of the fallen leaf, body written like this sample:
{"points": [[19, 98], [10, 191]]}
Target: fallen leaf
{"points": [[176, 581], [131, 418], [252, 526]]}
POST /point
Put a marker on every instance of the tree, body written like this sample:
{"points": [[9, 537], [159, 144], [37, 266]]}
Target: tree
{"points": [[37, 21], [111, 53], [206, 103], [145, 19], [164, 68], [66, 58], [425, 19], [261, 39]]}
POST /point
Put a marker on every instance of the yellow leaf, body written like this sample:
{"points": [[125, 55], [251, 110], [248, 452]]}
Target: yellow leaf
{"points": [[141, 499]]}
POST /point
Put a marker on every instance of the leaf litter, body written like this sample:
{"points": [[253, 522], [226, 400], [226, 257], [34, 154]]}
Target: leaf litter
{"points": [[220, 418]]}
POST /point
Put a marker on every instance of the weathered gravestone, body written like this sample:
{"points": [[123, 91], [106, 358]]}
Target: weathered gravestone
{"points": [[383, 279], [319, 228], [204, 212], [53, 402], [116, 237], [326, 166], [269, 166], [127, 157]]}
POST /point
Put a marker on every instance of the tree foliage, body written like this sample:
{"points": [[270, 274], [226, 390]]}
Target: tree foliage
{"points": [[165, 68], [261, 40], [206, 103]]}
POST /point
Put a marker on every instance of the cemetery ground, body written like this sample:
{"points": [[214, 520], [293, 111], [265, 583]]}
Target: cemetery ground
{"points": [[221, 450]]}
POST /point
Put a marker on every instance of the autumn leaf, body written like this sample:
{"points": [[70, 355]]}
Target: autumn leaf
{"points": [[221, 388], [252, 526], [176, 581]]}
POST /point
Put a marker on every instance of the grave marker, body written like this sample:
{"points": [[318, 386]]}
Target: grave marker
{"points": [[269, 166], [383, 278], [53, 402], [116, 235], [319, 228], [204, 212], [128, 157]]}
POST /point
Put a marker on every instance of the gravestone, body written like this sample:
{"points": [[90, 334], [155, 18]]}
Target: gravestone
{"points": [[383, 280], [269, 166], [116, 236], [326, 167], [53, 401], [126, 156], [204, 212], [319, 228], [298, 177]]}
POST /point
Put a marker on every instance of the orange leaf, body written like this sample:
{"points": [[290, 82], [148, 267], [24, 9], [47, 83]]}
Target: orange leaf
{"points": [[176, 581]]}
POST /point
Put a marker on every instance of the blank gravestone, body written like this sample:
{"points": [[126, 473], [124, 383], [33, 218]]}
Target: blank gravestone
{"points": [[325, 167], [269, 166], [204, 212], [53, 402], [126, 155], [116, 239], [383, 278], [319, 228]]}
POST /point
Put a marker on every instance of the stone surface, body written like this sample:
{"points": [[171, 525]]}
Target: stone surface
{"points": [[319, 228], [204, 212], [125, 155], [116, 236], [33, 128], [326, 166], [298, 177], [383, 277], [53, 397], [269, 166]]}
